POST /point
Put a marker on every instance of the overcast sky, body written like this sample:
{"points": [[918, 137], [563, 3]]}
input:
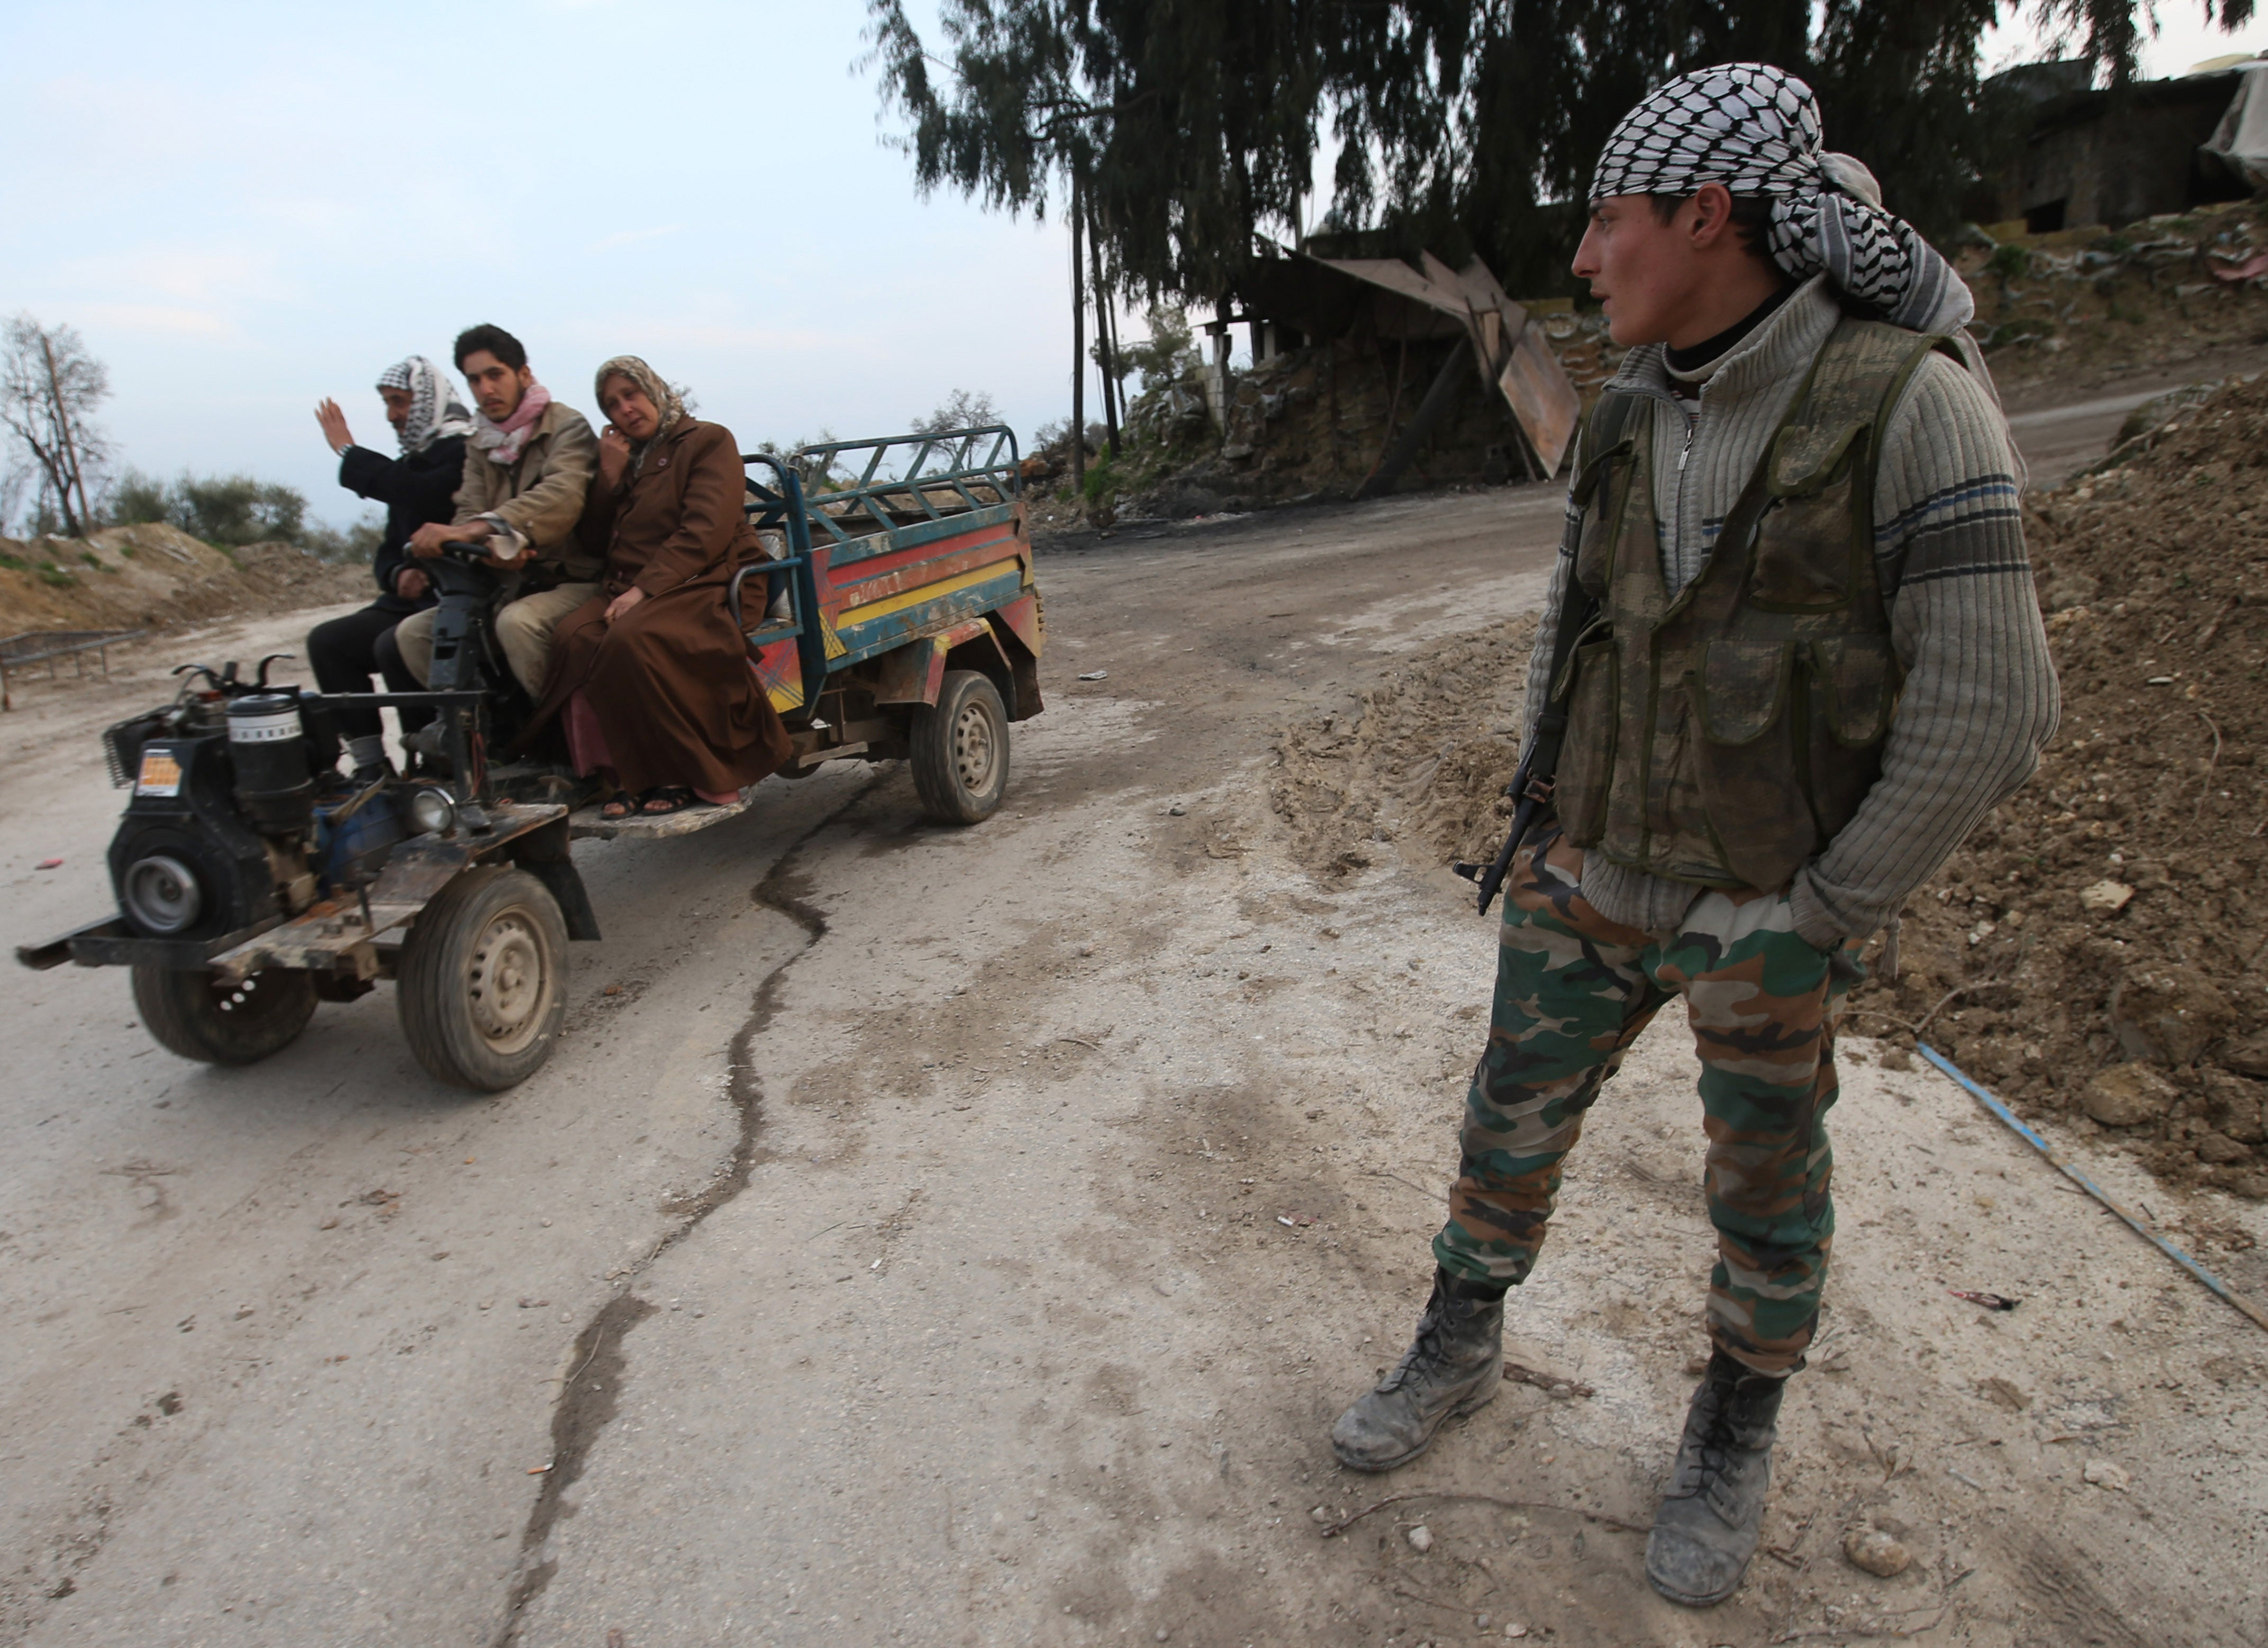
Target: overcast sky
{"points": [[246, 207]]}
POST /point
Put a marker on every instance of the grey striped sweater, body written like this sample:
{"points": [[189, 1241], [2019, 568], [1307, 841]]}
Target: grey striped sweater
{"points": [[1979, 700]]}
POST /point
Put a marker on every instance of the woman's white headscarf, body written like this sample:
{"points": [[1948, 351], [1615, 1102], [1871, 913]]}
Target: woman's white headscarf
{"points": [[1755, 129], [435, 412]]}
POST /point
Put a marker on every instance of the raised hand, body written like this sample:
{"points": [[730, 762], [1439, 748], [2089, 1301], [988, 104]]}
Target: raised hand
{"points": [[614, 456], [333, 424]]}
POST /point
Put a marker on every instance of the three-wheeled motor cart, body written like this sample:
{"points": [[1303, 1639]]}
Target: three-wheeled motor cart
{"points": [[897, 619]]}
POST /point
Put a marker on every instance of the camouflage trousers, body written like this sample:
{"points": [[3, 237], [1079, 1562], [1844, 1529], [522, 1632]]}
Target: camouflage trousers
{"points": [[1572, 992]]}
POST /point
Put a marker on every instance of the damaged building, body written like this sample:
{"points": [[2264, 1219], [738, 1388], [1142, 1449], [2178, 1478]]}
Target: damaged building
{"points": [[1371, 374], [2112, 156]]}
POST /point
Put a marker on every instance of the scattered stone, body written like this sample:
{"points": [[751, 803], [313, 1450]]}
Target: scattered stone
{"points": [[2107, 897], [2126, 1095], [1099, 674], [1421, 1537], [2168, 1014], [2102, 1473], [1320, 1514], [2235, 1106], [2248, 1057], [1877, 1552]]}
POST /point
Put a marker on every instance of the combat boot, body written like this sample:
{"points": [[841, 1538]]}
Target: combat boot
{"points": [[1452, 1368], [1710, 1521]]}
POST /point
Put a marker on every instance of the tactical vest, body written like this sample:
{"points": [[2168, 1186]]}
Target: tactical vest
{"points": [[1722, 738]]}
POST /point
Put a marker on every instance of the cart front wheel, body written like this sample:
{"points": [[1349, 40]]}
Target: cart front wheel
{"points": [[481, 985], [199, 1017], [961, 750]]}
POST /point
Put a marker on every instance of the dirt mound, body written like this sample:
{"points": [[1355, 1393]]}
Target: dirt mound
{"points": [[2092, 948], [157, 578], [1422, 759]]}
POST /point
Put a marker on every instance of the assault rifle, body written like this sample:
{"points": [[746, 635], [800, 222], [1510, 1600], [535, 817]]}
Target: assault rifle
{"points": [[1539, 763], [1530, 789]]}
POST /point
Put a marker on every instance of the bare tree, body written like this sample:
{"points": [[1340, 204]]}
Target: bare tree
{"points": [[49, 389], [963, 408]]}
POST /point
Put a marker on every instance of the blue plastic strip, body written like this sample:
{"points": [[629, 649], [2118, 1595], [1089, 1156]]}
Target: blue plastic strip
{"points": [[2056, 1156]]}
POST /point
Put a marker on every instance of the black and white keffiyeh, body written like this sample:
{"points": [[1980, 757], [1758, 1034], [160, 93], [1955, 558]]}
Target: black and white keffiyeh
{"points": [[435, 411], [1755, 129]]}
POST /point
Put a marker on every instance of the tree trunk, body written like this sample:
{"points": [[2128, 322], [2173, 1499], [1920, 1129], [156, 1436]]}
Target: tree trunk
{"points": [[51, 464], [1077, 353], [1103, 341], [1117, 371], [74, 526]]}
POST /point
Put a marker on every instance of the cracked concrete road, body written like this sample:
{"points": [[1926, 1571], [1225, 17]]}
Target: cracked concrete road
{"points": [[966, 1236]]}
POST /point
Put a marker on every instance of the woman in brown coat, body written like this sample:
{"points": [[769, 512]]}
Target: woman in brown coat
{"points": [[651, 675]]}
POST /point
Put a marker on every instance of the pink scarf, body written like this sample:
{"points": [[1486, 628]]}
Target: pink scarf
{"points": [[504, 442]]}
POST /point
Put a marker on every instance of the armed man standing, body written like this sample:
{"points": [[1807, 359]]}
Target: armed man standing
{"points": [[1792, 655]]}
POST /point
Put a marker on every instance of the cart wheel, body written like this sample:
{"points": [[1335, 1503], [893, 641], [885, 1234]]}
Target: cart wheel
{"points": [[961, 750], [481, 986], [196, 1015]]}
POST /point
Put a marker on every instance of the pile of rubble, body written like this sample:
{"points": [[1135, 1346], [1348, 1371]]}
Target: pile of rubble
{"points": [[2095, 302], [2094, 947]]}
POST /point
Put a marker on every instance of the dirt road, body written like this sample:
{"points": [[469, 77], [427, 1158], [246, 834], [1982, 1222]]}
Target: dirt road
{"points": [[2064, 424], [967, 1237]]}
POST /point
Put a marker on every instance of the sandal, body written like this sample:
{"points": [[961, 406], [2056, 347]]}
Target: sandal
{"points": [[624, 804], [664, 799]]}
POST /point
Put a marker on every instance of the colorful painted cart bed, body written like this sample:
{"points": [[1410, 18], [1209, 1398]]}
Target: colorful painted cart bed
{"points": [[900, 618]]}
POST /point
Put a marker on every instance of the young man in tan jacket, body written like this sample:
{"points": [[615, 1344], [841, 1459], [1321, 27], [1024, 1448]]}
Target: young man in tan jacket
{"points": [[527, 467]]}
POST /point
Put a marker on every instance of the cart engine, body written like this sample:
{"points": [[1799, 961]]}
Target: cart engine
{"points": [[238, 815]]}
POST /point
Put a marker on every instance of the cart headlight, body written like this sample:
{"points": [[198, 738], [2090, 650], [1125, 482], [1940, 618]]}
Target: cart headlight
{"points": [[162, 895], [432, 813]]}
